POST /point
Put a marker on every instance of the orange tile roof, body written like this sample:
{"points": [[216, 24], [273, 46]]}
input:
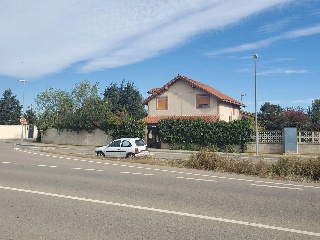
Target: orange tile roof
{"points": [[156, 119], [221, 96]]}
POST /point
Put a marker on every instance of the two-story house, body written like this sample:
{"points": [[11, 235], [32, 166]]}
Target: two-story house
{"points": [[183, 97]]}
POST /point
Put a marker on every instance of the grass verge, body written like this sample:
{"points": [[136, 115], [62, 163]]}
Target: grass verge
{"points": [[285, 168]]}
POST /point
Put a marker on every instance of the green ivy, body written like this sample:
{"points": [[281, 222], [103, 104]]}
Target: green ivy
{"points": [[194, 134]]}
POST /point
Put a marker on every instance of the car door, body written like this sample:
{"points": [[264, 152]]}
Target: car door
{"points": [[113, 149], [126, 147]]}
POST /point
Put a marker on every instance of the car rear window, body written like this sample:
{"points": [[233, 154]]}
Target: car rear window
{"points": [[140, 142]]}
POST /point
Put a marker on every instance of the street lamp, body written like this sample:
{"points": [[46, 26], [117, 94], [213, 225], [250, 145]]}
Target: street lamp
{"points": [[24, 86], [255, 56]]}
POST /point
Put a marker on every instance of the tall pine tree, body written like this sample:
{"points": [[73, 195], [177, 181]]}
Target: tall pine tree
{"points": [[10, 109]]}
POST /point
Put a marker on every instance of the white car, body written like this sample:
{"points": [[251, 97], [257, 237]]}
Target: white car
{"points": [[123, 147]]}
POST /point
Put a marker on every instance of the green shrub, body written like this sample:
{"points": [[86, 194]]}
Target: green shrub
{"points": [[196, 134]]}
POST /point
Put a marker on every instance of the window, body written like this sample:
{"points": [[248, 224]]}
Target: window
{"points": [[140, 143], [126, 143], [203, 101], [162, 103], [115, 143]]}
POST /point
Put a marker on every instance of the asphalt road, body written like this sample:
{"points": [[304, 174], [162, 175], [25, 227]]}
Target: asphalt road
{"points": [[47, 196]]}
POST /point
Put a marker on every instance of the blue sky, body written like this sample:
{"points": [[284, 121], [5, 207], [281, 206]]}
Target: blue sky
{"points": [[60, 43]]}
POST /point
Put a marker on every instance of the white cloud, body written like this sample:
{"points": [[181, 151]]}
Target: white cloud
{"points": [[303, 32], [272, 71], [50, 36], [275, 26], [281, 71], [282, 59]]}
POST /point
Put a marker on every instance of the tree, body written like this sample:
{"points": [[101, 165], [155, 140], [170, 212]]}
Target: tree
{"points": [[125, 99], [53, 106], [315, 115], [81, 109], [269, 116], [31, 117], [295, 117], [10, 109]]}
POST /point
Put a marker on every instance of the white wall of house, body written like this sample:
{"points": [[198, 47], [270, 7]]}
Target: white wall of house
{"points": [[226, 110], [182, 101], [14, 131]]}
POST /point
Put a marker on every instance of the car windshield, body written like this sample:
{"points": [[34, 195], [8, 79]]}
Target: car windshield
{"points": [[140, 142]]}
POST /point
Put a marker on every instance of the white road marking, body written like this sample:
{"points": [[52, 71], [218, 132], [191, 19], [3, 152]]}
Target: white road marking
{"points": [[177, 213], [41, 165], [188, 173], [77, 168], [144, 174], [53, 166], [197, 179], [89, 169], [5, 162], [268, 186]]}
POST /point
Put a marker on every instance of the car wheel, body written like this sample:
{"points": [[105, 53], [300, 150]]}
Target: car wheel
{"points": [[100, 154], [130, 155]]}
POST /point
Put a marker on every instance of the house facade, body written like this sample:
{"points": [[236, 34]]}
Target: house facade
{"points": [[183, 97]]}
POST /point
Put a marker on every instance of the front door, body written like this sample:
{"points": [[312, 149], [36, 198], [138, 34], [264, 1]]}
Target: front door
{"points": [[113, 149]]}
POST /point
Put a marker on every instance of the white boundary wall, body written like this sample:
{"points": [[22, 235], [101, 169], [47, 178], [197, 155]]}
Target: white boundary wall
{"points": [[14, 131]]}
